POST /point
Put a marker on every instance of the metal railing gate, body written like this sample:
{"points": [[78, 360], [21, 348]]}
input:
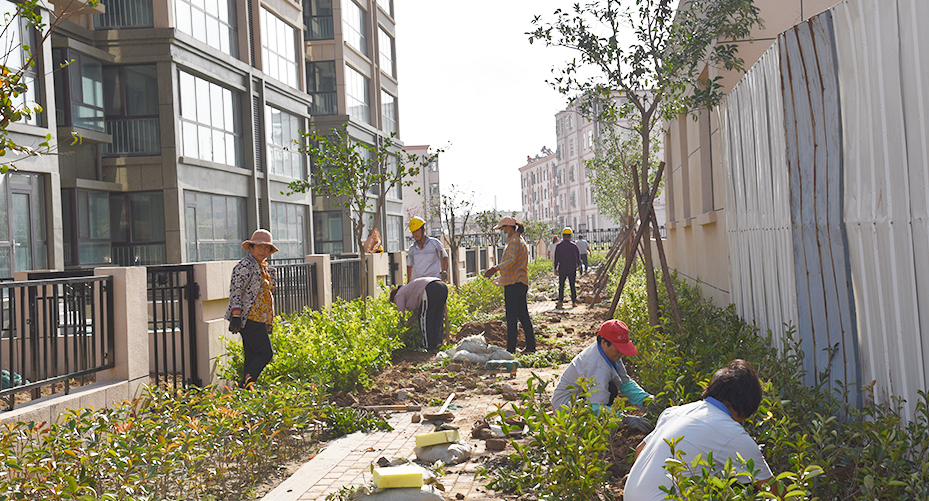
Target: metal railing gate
{"points": [[171, 325]]}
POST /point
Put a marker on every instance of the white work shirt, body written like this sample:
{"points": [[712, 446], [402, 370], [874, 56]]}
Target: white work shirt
{"points": [[426, 262], [589, 364], [705, 428], [582, 246], [551, 250]]}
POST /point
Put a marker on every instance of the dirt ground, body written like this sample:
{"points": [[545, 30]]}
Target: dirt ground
{"points": [[417, 378]]}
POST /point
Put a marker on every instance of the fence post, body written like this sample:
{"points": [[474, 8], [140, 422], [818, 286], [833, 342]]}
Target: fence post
{"points": [[213, 278], [378, 269], [323, 278], [130, 329], [399, 275]]}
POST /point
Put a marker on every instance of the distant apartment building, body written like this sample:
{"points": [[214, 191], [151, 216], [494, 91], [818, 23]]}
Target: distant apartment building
{"points": [[352, 79], [537, 181], [557, 188], [423, 198], [187, 112]]}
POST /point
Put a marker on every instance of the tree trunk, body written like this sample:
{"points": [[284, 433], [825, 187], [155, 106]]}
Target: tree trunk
{"points": [[645, 218]]}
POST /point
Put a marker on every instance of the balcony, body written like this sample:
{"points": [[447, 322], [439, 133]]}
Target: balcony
{"points": [[133, 136], [125, 14]]}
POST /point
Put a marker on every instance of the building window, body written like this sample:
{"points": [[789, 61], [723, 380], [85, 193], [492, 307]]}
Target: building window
{"points": [[394, 234], [317, 17], [79, 91], [283, 144], [211, 22], [434, 165], [288, 224], [355, 26], [321, 85], [385, 44], [279, 49], [130, 104], [357, 95], [86, 227], [137, 222], [18, 38], [389, 112], [216, 226], [126, 14], [211, 129], [396, 191], [573, 198], [327, 232], [388, 6]]}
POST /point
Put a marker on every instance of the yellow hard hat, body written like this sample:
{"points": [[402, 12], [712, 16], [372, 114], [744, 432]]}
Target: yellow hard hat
{"points": [[567, 231], [416, 223]]}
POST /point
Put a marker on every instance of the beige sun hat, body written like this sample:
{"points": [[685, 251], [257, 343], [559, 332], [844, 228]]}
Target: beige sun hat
{"points": [[260, 237], [507, 221]]}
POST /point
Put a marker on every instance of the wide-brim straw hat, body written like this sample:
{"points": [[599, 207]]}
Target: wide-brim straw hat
{"points": [[507, 221], [260, 237]]}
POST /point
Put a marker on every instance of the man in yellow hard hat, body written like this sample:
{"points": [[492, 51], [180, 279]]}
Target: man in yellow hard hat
{"points": [[427, 256]]}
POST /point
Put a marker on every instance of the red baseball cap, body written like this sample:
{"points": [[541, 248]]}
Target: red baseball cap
{"points": [[616, 332]]}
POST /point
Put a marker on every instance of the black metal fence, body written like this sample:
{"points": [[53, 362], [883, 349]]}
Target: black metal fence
{"points": [[171, 316], [346, 278], [295, 288], [53, 332]]}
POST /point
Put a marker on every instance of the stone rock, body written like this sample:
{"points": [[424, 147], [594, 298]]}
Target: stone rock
{"points": [[401, 395], [453, 367], [417, 417], [459, 496], [495, 444], [418, 381]]}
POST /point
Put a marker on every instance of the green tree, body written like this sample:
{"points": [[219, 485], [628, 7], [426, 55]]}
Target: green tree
{"points": [[357, 177], [661, 74], [536, 231], [457, 210], [22, 36]]}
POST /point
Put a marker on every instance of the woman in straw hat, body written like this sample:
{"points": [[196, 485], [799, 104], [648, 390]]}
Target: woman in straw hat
{"points": [[251, 304], [514, 277]]}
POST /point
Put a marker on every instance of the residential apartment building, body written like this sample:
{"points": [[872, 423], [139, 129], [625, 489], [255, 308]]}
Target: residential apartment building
{"points": [[423, 198], [694, 177], [352, 78], [537, 182], [557, 187], [187, 112]]}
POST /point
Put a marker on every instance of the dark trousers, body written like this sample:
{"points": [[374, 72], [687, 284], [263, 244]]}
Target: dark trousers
{"points": [[571, 276], [584, 262], [432, 317], [256, 345], [517, 311]]}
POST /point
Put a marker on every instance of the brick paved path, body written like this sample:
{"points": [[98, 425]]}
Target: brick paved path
{"points": [[346, 460]]}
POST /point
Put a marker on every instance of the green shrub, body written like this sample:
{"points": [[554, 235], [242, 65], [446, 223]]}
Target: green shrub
{"points": [[473, 301], [540, 268], [544, 358], [568, 452], [338, 349]]}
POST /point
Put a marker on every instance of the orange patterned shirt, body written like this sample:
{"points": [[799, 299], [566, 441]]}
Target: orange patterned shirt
{"points": [[263, 309], [514, 267]]}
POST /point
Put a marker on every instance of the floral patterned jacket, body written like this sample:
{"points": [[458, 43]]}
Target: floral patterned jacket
{"points": [[245, 285]]}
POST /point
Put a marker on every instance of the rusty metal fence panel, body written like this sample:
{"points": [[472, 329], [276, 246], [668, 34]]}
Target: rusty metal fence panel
{"points": [[758, 224], [883, 59], [54, 331]]}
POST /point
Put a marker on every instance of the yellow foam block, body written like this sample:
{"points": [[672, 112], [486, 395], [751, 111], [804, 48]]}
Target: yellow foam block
{"points": [[439, 437], [391, 477]]}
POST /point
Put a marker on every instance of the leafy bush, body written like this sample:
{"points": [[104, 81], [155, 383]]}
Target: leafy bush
{"points": [[338, 349], [540, 268], [544, 358], [197, 444], [472, 300], [565, 455]]}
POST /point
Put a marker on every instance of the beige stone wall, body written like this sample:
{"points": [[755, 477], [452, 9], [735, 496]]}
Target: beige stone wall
{"points": [[697, 245]]}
